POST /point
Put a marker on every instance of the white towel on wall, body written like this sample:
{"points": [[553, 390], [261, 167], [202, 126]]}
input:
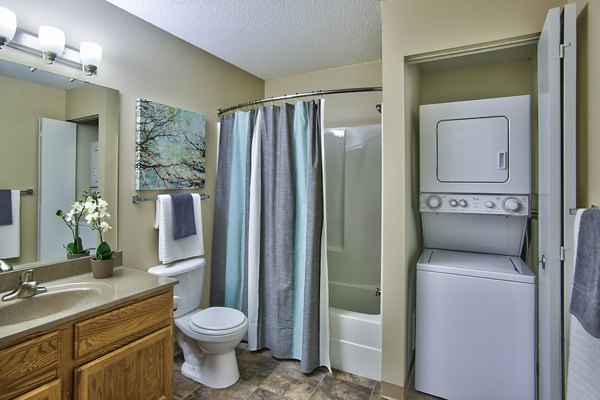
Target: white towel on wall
{"points": [[584, 354], [170, 250], [10, 235]]}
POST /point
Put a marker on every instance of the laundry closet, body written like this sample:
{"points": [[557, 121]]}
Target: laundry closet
{"points": [[506, 69]]}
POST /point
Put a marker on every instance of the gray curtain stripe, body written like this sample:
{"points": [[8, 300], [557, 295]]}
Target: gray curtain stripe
{"points": [[314, 227], [220, 224], [277, 230]]}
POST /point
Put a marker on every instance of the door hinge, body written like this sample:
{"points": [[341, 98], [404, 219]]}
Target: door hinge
{"points": [[562, 253], [561, 49]]}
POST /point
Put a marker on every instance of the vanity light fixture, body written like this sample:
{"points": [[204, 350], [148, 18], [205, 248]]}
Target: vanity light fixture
{"points": [[49, 43], [91, 55], [8, 26], [52, 43]]}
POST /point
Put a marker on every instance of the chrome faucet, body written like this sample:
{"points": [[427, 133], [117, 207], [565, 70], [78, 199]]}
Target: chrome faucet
{"points": [[27, 288], [5, 267]]}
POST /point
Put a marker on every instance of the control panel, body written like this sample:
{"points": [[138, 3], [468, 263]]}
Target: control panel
{"points": [[474, 204]]}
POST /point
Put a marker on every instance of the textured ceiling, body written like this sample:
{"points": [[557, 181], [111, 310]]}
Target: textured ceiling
{"points": [[271, 38]]}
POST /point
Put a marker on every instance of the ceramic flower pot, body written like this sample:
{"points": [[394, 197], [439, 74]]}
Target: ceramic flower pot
{"points": [[102, 268]]}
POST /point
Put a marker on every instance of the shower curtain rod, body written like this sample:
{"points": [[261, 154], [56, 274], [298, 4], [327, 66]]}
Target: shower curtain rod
{"points": [[298, 95]]}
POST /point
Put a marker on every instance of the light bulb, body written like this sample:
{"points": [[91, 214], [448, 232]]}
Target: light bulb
{"points": [[8, 26], [90, 54], [52, 42]]}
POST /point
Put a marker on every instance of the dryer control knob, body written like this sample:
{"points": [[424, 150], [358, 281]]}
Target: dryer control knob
{"points": [[433, 202], [463, 203], [511, 204], [453, 202], [489, 204]]}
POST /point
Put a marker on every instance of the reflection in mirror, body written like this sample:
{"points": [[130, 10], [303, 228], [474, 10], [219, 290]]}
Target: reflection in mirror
{"points": [[36, 109]]}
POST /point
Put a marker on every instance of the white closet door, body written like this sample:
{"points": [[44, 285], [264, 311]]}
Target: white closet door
{"points": [[56, 175], [551, 205], [569, 156]]}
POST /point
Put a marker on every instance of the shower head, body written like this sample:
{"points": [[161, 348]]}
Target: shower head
{"points": [[378, 107]]}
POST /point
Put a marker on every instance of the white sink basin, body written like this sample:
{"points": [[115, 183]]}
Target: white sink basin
{"points": [[58, 299]]}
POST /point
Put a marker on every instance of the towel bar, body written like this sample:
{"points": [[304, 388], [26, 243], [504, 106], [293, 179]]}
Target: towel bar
{"points": [[138, 199], [573, 211], [26, 191]]}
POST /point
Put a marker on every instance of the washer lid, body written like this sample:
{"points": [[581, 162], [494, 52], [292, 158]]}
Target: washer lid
{"points": [[217, 321], [476, 264]]}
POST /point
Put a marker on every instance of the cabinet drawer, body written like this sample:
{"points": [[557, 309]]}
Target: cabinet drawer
{"points": [[29, 364], [50, 391], [106, 332]]}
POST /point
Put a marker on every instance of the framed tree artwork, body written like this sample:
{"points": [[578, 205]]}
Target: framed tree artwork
{"points": [[170, 147]]}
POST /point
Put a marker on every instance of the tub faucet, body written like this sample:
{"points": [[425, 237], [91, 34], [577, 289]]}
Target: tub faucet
{"points": [[27, 288], [5, 267]]}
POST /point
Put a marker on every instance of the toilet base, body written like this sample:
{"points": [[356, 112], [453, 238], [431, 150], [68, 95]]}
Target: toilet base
{"points": [[216, 371]]}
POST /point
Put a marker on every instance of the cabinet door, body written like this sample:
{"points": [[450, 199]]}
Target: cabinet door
{"points": [[50, 391], [142, 370], [29, 365]]}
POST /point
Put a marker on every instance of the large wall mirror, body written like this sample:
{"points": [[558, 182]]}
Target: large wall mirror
{"points": [[35, 101]]}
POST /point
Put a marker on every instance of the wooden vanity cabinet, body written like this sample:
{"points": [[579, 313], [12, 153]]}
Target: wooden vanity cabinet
{"points": [[122, 353]]}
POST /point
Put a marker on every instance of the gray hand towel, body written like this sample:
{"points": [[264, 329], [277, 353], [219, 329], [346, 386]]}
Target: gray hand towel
{"points": [[5, 207], [182, 208], [585, 301]]}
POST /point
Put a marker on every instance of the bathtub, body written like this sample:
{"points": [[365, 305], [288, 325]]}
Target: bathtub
{"points": [[355, 337]]}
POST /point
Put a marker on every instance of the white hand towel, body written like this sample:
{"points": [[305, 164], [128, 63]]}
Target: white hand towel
{"points": [[170, 250], [10, 235], [584, 353]]}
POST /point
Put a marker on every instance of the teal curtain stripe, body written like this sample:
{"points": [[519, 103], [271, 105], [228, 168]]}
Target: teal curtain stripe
{"points": [[300, 149], [234, 272]]}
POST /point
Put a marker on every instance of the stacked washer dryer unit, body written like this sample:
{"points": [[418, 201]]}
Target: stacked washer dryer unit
{"points": [[475, 329]]}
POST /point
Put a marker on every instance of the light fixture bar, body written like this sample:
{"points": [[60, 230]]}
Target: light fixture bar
{"points": [[28, 42]]}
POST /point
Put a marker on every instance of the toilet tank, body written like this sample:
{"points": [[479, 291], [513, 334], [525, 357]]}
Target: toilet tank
{"points": [[190, 274]]}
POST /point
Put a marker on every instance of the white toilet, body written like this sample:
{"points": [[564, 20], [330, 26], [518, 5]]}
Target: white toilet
{"points": [[207, 337]]}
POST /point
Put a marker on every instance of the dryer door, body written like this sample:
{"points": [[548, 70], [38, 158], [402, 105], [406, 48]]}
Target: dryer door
{"points": [[473, 150]]}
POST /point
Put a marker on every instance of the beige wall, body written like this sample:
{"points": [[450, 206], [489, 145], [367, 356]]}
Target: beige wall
{"points": [[21, 106], [588, 98], [340, 109], [92, 101], [141, 60], [409, 28]]}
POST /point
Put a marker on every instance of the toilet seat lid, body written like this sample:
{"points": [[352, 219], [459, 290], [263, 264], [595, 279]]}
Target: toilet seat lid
{"points": [[217, 321]]}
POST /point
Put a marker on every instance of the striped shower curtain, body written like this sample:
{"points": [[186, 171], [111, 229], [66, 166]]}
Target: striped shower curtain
{"points": [[268, 255]]}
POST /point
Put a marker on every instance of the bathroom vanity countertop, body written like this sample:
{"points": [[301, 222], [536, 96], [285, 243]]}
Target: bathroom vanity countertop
{"points": [[82, 294]]}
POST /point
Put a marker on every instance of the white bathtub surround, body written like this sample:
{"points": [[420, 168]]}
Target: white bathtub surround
{"points": [[354, 297], [354, 256], [353, 168]]}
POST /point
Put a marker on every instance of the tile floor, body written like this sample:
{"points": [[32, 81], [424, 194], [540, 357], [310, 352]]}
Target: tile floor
{"points": [[263, 377]]}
